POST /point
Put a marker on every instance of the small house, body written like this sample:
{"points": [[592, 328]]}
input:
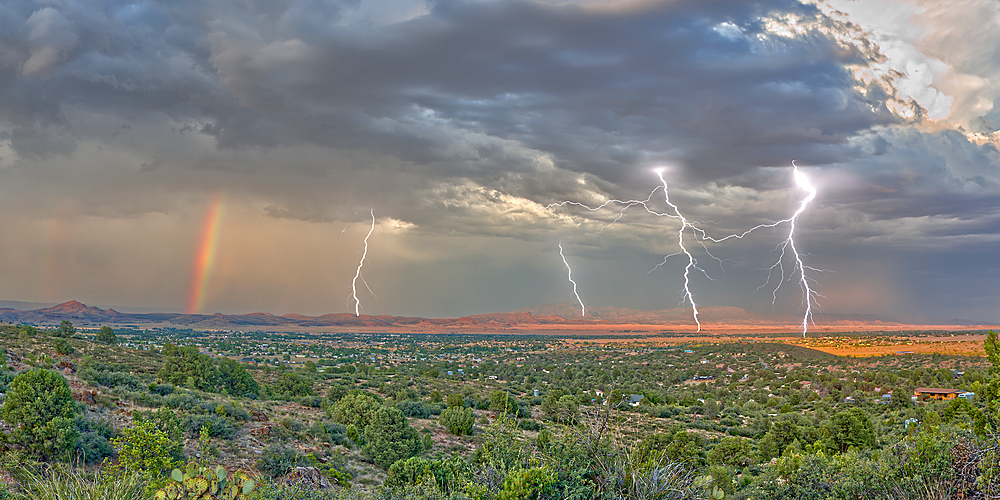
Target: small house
{"points": [[936, 393]]}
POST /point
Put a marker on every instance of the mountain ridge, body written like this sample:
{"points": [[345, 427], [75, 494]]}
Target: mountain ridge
{"points": [[546, 315]]}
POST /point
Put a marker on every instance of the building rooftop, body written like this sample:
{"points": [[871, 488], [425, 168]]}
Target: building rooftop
{"points": [[935, 390]]}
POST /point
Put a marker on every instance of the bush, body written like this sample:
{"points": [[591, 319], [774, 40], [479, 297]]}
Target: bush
{"points": [[94, 444], [6, 377], [107, 336], [530, 425], [354, 409], [418, 409], [269, 490], [183, 401], [217, 426], [185, 366], [225, 410], [92, 448], [447, 473], [277, 460], [291, 385], [161, 389], [112, 378], [41, 407], [311, 401], [389, 437], [458, 420], [66, 329], [63, 347], [145, 449]]}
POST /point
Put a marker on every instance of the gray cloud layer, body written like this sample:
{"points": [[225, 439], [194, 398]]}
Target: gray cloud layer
{"points": [[446, 116]]}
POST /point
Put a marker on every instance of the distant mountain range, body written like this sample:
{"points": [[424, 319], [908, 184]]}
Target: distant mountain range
{"points": [[557, 314]]}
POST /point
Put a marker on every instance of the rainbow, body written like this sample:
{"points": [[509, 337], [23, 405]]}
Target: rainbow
{"points": [[204, 259]]}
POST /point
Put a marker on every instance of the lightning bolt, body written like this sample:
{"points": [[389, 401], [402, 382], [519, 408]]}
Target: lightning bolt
{"points": [[692, 263], [788, 246], [583, 308], [357, 275], [688, 296]]}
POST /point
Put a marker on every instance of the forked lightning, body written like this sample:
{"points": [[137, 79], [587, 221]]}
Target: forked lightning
{"points": [[701, 236], [808, 294]]}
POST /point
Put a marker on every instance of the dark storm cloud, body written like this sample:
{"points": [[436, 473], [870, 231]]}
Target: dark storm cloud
{"points": [[920, 174], [470, 88], [451, 117]]}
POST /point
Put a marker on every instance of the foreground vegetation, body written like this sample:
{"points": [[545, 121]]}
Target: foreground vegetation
{"points": [[390, 416]]}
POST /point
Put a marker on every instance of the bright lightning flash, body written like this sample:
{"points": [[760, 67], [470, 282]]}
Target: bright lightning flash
{"points": [[788, 246], [357, 275], [583, 308], [685, 224], [701, 236], [692, 263]]}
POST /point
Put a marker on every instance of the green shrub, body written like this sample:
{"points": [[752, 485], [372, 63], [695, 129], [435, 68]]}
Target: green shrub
{"points": [[161, 389], [183, 401], [6, 377], [185, 366], [269, 490], [225, 410], [63, 347], [94, 444], [144, 449], [109, 378], [418, 409], [312, 401], [388, 437], [107, 336], [409, 471], [292, 385], [354, 409], [92, 448], [530, 425], [278, 460], [217, 426], [447, 474], [40, 405], [458, 420]]}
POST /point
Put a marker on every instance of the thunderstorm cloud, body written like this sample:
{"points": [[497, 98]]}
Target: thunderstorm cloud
{"points": [[457, 121]]}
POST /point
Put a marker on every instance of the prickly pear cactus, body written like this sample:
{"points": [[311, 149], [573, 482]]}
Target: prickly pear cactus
{"points": [[203, 483]]}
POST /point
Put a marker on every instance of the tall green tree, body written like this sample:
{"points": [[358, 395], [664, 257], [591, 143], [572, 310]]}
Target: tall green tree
{"points": [[987, 423], [66, 329], [293, 385], [850, 428], [41, 408], [185, 366], [235, 379], [107, 335]]}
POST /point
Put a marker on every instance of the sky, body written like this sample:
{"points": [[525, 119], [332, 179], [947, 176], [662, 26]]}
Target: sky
{"points": [[228, 156]]}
